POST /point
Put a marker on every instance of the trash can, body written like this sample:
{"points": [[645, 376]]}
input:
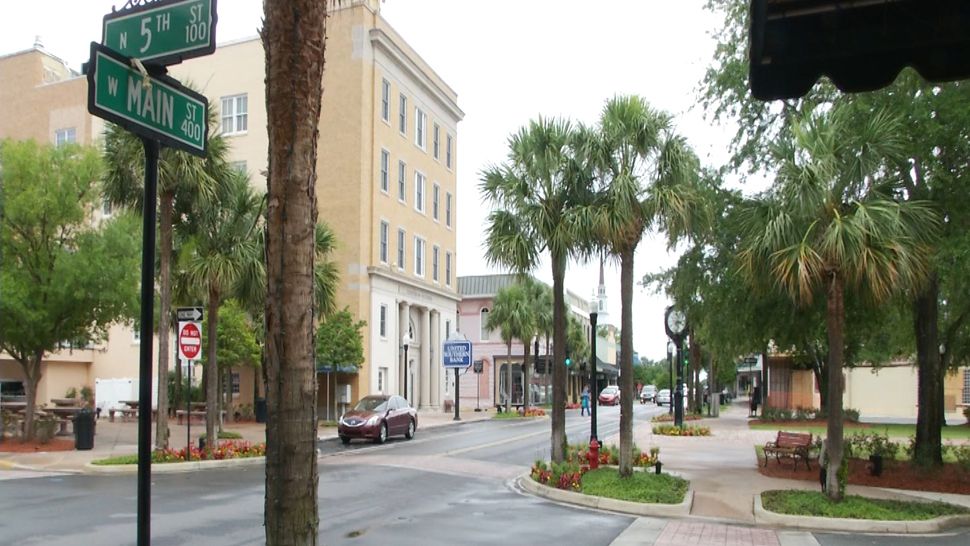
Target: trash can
{"points": [[201, 443], [84, 429], [260, 410]]}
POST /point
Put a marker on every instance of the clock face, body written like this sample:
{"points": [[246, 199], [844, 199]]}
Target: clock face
{"points": [[676, 321]]}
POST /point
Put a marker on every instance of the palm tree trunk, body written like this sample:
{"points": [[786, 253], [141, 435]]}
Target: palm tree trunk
{"points": [[835, 319], [164, 314], [508, 378], [526, 375], [212, 377], [294, 40], [930, 415], [559, 357], [626, 363]]}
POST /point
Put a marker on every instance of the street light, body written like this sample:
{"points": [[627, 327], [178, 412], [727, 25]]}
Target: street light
{"points": [[675, 322], [593, 315], [671, 348], [406, 340]]}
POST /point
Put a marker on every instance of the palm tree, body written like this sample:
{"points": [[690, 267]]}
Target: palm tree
{"points": [[222, 246], [827, 226], [182, 177], [512, 316], [539, 301], [539, 195], [646, 172]]}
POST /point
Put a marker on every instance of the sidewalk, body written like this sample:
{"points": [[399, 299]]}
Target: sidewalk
{"points": [[121, 438]]}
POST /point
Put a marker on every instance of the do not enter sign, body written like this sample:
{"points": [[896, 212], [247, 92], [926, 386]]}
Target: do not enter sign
{"points": [[190, 341]]}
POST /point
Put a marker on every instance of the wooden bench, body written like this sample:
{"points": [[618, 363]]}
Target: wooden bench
{"points": [[793, 445], [195, 415]]}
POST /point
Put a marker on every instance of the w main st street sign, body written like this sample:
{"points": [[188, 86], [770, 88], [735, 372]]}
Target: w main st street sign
{"points": [[162, 110], [163, 32]]}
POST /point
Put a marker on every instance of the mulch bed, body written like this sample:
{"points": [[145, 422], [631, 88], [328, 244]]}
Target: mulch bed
{"points": [[895, 474], [14, 445]]}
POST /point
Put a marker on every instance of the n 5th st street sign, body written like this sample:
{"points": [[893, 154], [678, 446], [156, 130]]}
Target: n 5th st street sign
{"points": [[164, 111], [163, 32]]}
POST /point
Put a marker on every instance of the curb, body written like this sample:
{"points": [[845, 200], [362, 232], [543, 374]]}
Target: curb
{"points": [[527, 484], [766, 517], [170, 468]]}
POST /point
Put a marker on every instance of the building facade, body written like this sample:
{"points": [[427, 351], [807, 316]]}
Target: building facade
{"points": [[386, 185]]}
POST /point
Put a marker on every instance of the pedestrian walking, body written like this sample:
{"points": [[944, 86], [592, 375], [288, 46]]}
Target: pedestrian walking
{"points": [[584, 402]]}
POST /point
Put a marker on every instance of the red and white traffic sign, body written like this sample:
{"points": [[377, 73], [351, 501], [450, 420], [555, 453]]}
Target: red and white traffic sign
{"points": [[190, 340]]}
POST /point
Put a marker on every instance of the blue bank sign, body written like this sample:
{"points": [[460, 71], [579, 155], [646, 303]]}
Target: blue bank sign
{"points": [[457, 354]]}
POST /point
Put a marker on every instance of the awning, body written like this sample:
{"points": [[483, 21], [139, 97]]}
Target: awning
{"points": [[342, 368], [861, 45]]}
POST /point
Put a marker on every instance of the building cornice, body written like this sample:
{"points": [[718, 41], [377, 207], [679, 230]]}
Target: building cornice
{"points": [[380, 40], [401, 279]]}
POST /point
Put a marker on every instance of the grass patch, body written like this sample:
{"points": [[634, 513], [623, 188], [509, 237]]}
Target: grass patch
{"points": [[326, 423], [896, 430], [226, 435], [640, 487], [811, 503], [507, 415], [120, 459]]}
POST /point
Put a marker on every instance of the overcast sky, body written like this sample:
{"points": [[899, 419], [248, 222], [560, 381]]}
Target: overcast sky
{"points": [[509, 61]]}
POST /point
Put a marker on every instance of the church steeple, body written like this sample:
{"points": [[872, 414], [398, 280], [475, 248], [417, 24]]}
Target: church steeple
{"points": [[601, 293]]}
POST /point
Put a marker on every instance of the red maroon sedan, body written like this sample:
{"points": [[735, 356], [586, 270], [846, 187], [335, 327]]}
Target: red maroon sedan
{"points": [[377, 417], [610, 396]]}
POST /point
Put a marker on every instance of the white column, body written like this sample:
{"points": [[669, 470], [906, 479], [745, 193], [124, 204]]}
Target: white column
{"points": [[402, 329], [424, 376], [435, 359]]}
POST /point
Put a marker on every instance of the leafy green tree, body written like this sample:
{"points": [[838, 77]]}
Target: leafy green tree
{"points": [[62, 278], [222, 247], [339, 340], [540, 197], [827, 227], [539, 302], [181, 178], [237, 347], [512, 316], [647, 174]]}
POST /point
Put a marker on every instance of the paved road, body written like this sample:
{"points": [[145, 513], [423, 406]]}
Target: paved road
{"points": [[450, 485]]}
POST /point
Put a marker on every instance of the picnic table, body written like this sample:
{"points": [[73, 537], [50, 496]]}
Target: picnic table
{"points": [[64, 415], [197, 415]]}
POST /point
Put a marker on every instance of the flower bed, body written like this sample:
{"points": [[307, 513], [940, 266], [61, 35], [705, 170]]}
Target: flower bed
{"points": [[668, 418], [534, 412], [686, 430], [225, 450], [606, 482]]}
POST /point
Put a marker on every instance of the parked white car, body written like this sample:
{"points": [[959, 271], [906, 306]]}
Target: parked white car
{"points": [[663, 397]]}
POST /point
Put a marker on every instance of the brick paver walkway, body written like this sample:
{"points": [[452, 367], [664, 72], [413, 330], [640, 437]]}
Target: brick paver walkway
{"points": [[714, 534]]}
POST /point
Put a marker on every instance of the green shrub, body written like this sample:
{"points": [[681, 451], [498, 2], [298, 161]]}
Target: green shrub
{"points": [[227, 435], [71, 393], [686, 430], [851, 415], [966, 414], [811, 503]]}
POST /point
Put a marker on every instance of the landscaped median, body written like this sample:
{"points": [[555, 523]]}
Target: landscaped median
{"points": [[812, 510], [231, 453], [643, 494]]}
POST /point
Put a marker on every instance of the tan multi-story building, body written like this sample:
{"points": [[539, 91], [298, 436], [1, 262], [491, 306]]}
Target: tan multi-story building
{"points": [[386, 185]]}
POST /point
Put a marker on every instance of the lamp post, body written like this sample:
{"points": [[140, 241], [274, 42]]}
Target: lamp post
{"points": [[535, 364], [670, 365], [406, 341], [675, 322], [594, 444]]}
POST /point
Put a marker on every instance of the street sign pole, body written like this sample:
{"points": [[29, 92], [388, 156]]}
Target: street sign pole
{"points": [[188, 412], [457, 417], [145, 360]]}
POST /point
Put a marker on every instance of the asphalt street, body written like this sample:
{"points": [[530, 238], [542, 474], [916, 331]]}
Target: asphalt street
{"points": [[449, 485]]}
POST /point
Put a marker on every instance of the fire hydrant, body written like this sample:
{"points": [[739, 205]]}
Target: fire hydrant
{"points": [[593, 455]]}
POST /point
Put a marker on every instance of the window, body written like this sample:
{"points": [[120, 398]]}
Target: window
{"points": [[235, 114], [400, 249], [420, 123], [484, 314], [419, 191], [382, 380], [383, 322], [448, 152], [436, 141], [402, 169], [418, 256], [966, 387], [434, 263], [447, 329], [384, 229], [385, 168], [235, 383], [386, 100], [403, 116], [448, 209], [448, 268], [65, 136], [238, 166], [435, 198], [136, 332]]}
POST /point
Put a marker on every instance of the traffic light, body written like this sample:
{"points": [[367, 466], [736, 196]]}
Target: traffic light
{"points": [[569, 361]]}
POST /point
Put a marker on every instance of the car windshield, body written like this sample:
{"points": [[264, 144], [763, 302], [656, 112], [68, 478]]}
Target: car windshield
{"points": [[371, 403], [609, 390]]}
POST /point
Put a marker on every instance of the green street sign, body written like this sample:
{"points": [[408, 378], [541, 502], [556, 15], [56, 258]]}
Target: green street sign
{"points": [[164, 110], [164, 32]]}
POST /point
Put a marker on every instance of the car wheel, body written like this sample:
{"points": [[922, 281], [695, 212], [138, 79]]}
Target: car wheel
{"points": [[345, 440], [410, 433], [382, 436]]}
